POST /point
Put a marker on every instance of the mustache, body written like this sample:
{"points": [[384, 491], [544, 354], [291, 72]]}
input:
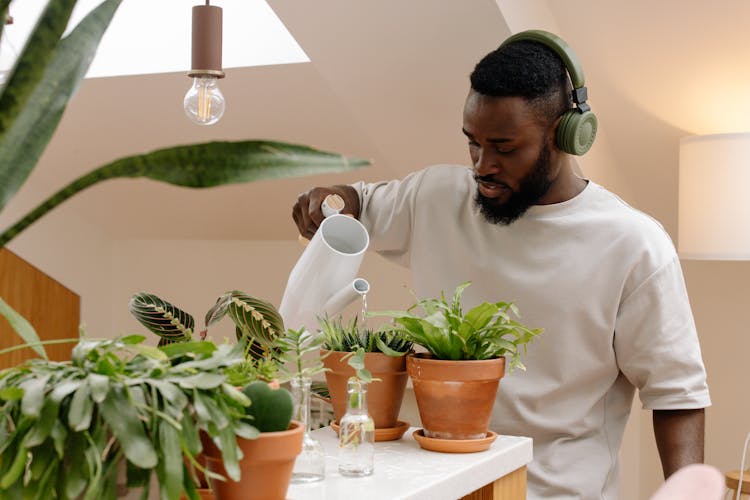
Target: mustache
{"points": [[489, 179]]}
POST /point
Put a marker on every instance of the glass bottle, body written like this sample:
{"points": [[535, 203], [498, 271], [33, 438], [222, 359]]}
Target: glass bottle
{"points": [[356, 433], [310, 464]]}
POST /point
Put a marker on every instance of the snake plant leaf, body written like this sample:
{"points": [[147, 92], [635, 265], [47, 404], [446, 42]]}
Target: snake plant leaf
{"points": [[200, 166], [22, 327], [162, 318], [46, 75]]}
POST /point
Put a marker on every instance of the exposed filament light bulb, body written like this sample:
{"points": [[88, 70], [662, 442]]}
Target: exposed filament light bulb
{"points": [[204, 102]]}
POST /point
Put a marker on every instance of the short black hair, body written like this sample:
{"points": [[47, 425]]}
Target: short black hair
{"points": [[526, 69]]}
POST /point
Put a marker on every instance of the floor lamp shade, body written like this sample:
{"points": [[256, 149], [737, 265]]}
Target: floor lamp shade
{"points": [[714, 197]]}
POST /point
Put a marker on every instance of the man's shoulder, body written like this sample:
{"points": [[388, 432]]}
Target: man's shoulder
{"points": [[629, 222]]}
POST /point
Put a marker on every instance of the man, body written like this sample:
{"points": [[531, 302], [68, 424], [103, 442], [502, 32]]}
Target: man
{"points": [[601, 278]]}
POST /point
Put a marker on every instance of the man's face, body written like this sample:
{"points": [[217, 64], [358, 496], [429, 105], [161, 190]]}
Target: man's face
{"points": [[510, 151]]}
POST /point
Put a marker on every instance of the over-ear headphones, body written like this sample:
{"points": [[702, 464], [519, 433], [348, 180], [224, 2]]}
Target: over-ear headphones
{"points": [[577, 129]]}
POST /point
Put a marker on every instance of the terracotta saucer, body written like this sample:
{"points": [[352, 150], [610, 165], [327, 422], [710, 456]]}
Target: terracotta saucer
{"points": [[454, 445], [385, 433]]}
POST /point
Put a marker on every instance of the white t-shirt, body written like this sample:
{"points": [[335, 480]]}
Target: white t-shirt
{"points": [[600, 277]]}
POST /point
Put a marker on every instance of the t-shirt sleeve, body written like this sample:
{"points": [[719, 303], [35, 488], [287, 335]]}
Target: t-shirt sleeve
{"points": [[656, 343], [387, 210]]}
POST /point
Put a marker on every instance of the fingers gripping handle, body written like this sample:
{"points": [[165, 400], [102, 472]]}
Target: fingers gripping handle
{"points": [[332, 204]]}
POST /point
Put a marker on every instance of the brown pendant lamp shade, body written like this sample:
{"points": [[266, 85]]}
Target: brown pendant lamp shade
{"points": [[206, 43]]}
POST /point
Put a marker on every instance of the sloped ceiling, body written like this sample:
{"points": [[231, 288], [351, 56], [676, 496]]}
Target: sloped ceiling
{"points": [[387, 81]]}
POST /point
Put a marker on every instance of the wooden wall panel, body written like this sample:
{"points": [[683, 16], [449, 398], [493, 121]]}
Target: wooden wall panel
{"points": [[52, 309]]}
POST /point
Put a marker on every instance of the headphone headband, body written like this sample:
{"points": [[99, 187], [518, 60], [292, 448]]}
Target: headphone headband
{"points": [[577, 128], [562, 49]]}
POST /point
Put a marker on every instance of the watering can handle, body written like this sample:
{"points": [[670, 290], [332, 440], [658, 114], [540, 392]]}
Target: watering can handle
{"points": [[332, 204]]}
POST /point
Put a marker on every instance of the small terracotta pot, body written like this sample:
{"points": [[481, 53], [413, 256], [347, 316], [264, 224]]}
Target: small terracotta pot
{"points": [[384, 397], [455, 398], [266, 466]]}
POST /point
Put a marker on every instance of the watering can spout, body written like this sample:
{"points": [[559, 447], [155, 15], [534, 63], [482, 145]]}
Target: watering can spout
{"points": [[346, 296]]}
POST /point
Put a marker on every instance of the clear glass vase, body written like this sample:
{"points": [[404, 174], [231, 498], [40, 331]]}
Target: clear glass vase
{"points": [[310, 464], [356, 433]]}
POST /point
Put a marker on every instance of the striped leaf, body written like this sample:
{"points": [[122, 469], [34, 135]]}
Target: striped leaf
{"points": [[170, 323], [257, 320]]}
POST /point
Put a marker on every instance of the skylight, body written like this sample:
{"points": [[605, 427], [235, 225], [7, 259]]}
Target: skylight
{"points": [[153, 36]]}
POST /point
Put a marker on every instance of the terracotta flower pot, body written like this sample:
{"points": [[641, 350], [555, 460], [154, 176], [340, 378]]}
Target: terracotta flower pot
{"points": [[455, 398], [384, 397], [266, 466]]}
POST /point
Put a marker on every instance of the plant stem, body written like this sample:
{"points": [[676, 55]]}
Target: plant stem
{"points": [[56, 199], [42, 342]]}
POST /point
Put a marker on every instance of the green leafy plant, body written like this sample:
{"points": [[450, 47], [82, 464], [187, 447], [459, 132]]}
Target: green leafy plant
{"points": [[486, 331], [298, 355], [257, 322], [65, 426], [257, 325], [356, 341]]}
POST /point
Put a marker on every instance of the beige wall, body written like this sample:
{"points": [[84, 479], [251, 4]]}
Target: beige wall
{"points": [[71, 251], [720, 295]]}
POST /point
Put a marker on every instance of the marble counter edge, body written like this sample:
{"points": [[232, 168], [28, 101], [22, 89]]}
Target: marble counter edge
{"points": [[467, 472]]}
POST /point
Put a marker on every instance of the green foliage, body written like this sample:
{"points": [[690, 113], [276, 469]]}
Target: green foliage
{"points": [[160, 317], [174, 325], [484, 332], [298, 354], [250, 370], [65, 426], [272, 406], [351, 338], [257, 321], [201, 166], [22, 327]]}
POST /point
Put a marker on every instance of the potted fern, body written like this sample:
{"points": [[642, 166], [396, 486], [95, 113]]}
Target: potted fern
{"points": [[456, 380], [378, 355]]}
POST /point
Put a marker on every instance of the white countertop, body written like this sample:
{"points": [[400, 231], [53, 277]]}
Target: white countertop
{"points": [[403, 470]]}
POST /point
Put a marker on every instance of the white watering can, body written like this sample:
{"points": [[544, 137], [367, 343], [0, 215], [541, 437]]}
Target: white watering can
{"points": [[324, 280]]}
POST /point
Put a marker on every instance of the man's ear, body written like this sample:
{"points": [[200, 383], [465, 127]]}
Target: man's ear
{"points": [[552, 135]]}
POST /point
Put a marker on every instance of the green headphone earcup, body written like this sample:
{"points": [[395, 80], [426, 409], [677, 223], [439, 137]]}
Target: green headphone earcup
{"points": [[576, 131]]}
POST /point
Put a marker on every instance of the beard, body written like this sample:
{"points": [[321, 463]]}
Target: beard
{"points": [[531, 189]]}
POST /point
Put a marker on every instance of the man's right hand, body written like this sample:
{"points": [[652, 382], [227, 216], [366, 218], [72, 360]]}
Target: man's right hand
{"points": [[307, 213]]}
